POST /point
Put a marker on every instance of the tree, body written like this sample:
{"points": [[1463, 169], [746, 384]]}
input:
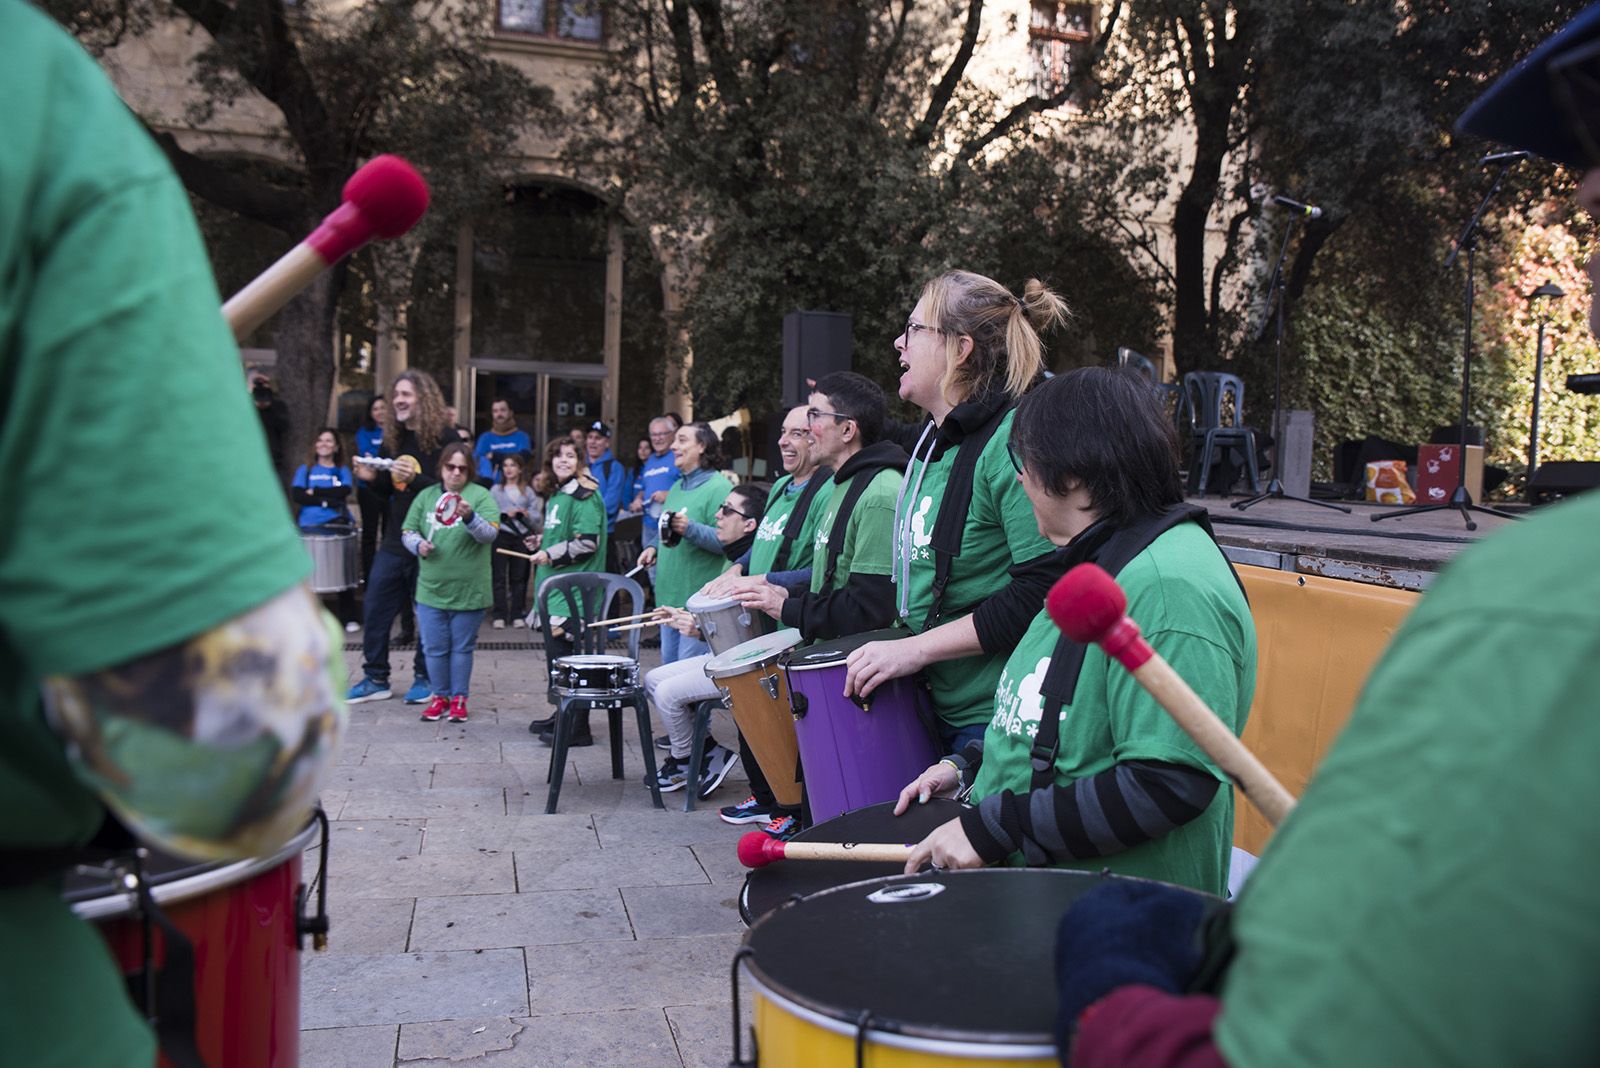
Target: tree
{"points": [[829, 155], [347, 82]]}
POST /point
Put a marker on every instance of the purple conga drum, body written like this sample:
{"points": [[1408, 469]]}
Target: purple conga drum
{"points": [[855, 753]]}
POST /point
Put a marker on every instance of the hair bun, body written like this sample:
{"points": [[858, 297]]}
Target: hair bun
{"points": [[1042, 306]]}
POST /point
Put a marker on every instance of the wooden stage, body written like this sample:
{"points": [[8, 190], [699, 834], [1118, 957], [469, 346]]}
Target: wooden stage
{"points": [[1403, 553]]}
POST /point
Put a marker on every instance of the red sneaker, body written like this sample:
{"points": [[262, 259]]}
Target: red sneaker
{"points": [[436, 709], [458, 709]]}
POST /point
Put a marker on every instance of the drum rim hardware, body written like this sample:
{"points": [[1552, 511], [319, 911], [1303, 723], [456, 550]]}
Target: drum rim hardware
{"points": [[597, 660]]}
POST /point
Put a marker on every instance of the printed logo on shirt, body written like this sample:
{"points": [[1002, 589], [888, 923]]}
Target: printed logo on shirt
{"points": [[771, 528], [921, 536], [552, 516], [1019, 706]]}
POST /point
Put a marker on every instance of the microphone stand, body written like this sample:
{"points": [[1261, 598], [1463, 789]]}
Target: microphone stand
{"points": [[1461, 500], [1275, 301]]}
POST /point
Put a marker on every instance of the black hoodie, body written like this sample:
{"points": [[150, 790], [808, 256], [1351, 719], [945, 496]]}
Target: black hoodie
{"points": [[862, 602]]}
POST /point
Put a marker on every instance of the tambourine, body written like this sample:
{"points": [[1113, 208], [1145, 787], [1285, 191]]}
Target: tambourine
{"points": [[447, 511], [669, 537]]}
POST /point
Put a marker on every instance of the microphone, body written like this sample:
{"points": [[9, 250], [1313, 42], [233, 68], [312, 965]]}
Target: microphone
{"points": [[1503, 157], [383, 199], [1310, 211]]}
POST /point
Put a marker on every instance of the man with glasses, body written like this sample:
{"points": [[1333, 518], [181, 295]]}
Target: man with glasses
{"points": [[1430, 900], [850, 589]]}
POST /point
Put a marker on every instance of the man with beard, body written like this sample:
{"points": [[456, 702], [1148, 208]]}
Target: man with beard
{"points": [[503, 436]]}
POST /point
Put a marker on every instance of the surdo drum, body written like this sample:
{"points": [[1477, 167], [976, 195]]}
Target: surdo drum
{"points": [[939, 968], [244, 922], [725, 623], [754, 689], [593, 675], [335, 559]]}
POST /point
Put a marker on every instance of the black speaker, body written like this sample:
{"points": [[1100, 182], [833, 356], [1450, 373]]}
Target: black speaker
{"points": [[815, 343], [1562, 478]]}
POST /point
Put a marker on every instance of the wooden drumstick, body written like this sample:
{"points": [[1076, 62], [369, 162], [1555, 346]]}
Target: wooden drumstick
{"points": [[509, 552], [623, 619], [383, 199], [631, 626], [757, 849], [1089, 606]]}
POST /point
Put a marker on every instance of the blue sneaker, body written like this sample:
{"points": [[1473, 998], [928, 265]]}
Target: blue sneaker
{"points": [[368, 690], [747, 811], [782, 828], [419, 693]]}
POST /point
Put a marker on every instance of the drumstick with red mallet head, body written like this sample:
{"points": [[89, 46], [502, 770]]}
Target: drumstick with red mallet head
{"points": [[757, 850], [383, 199], [1089, 606]]}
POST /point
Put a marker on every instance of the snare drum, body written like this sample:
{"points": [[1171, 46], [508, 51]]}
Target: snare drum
{"points": [[336, 559], [725, 623], [755, 690], [243, 920], [768, 887], [593, 675], [851, 963], [855, 752]]}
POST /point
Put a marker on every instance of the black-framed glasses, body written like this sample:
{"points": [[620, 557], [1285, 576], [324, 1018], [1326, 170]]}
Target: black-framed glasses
{"points": [[724, 509], [456, 467], [1015, 454], [913, 328], [813, 414]]}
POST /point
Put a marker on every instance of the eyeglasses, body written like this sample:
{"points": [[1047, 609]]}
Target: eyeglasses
{"points": [[813, 414], [913, 328], [723, 509], [455, 467], [1016, 456]]}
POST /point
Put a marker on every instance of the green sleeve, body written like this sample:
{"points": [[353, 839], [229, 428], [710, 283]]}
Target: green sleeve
{"points": [[1003, 502]]}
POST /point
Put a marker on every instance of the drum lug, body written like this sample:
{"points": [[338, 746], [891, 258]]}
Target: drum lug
{"points": [[315, 926], [797, 703], [862, 701], [738, 1060], [727, 698], [769, 683]]}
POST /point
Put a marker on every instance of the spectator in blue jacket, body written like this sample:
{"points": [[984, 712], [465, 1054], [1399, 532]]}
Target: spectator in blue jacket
{"points": [[501, 438], [606, 470]]}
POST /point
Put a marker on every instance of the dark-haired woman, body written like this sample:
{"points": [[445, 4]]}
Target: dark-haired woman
{"points": [[1128, 790], [969, 351], [321, 488], [696, 557]]}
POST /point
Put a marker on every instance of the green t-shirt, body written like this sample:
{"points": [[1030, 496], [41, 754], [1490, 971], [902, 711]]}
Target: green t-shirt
{"points": [[868, 532], [1431, 899], [455, 576], [110, 336], [781, 502], [1185, 600], [683, 568], [1000, 531], [566, 516]]}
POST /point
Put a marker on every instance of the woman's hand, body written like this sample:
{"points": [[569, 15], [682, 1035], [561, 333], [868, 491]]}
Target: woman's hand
{"points": [[424, 547], [940, 780], [681, 621], [946, 849], [540, 559], [647, 557], [658, 497], [762, 595], [680, 523], [464, 510], [724, 584], [876, 663]]}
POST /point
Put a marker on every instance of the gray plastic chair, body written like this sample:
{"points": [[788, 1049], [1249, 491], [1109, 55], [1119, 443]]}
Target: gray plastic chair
{"points": [[1216, 409], [591, 596]]}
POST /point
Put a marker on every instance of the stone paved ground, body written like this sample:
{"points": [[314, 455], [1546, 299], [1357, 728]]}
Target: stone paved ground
{"points": [[468, 927]]}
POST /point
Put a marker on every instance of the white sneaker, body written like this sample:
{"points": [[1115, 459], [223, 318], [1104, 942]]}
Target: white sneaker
{"points": [[351, 627], [499, 624], [517, 624]]}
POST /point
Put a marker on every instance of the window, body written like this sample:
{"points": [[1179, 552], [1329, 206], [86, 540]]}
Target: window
{"points": [[1059, 33], [573, 20]]}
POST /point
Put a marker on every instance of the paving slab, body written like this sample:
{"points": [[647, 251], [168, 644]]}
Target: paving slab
{"points": [[366, 927], [637, 1038], [507, 920], [441, 751], [720, 861], [673, 825], [647, 865], [703, 1032], [626, 975], [351, 751], [381, 777], [676, 911], [502, 834], [502, 775], [399, 727], [358, 991], [423, 804], [454, 1041], [349, 1047], [361, 838], [424, 875]]}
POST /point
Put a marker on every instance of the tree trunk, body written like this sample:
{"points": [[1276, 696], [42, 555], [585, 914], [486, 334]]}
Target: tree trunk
{"points": [[305, 370]]}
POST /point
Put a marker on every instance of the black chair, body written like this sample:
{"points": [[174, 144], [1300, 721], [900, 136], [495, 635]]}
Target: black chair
{"points": [[1216, 406], [697, 748], [1139, 364], [589, 596]]}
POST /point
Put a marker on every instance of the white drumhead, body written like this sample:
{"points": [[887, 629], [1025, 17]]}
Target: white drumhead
{"points": [[701, 603], [746, 655]]}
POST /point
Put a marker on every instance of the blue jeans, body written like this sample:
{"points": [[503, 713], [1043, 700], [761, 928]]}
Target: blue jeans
{"points": [[390, 584], [675, 646], [955, 739], [448, 639]]}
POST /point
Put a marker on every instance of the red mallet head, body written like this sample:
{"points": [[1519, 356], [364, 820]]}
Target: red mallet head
{"points": [[383, 199], [756, 849], [1089, 606]]}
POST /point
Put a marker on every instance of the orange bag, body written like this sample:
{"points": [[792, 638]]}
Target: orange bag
{"points": [[1386, 483]]}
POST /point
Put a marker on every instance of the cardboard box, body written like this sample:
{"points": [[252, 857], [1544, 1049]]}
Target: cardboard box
{"points": [[1437, 467]]}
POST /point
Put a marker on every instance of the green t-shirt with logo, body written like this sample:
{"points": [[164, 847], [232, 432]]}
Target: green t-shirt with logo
{"points": [[869, 532], [109, 327], [781, 501], [1000, 531], [683, 568], [1431, 899], [455, 576], [567, 516], [1185, 600]]}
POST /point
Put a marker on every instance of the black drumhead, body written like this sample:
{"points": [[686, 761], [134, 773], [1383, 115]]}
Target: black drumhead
{"points": [[962, 956], [767, 888], [159, 869]]}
